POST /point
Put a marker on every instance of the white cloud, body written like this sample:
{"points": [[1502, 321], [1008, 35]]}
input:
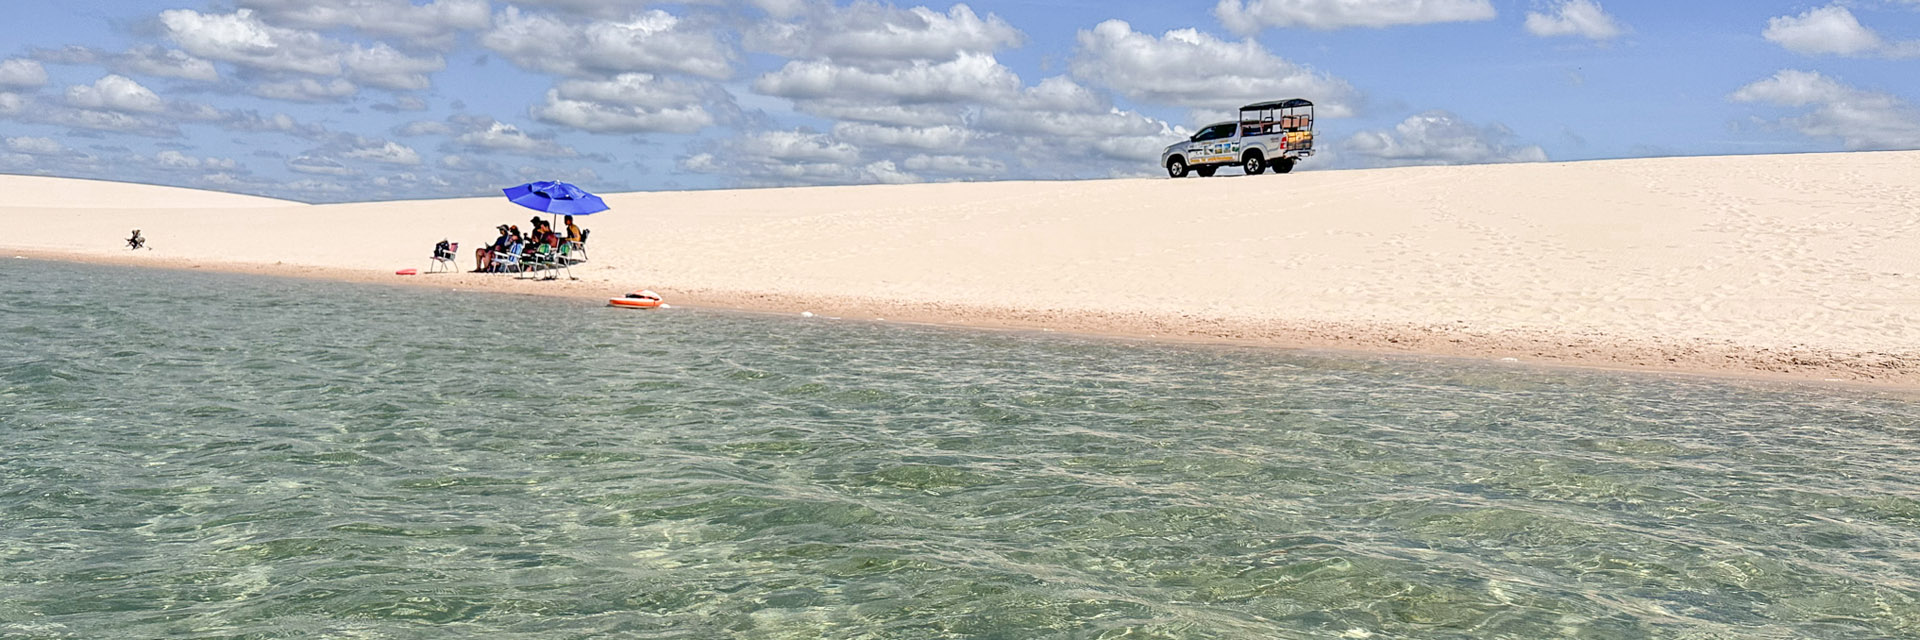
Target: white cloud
{"points": [[799, 147], [970, 76], [313, 187], [778, 9], [631, 102], [500, 136], [21, 73], [1833, 30], [955, 165], [465, 163], [306, 90], [1583, 18], [919, 93], [884, 172], [937, 138], [115, 93], [176, 161], [425, 128], [1188, 68], [385, 153], [99, 120], [319, 165], [11, 103], [787, 158], [1247, 17], [248, 120], [432, 24], [142, 60], [165, 63], [870, 34], [1860, 119], [1059, 116], [399, 104], [241, 38], [653, 42], [865, 109], [244, 39], [385, 67], [1439, 137], [34, 146]]}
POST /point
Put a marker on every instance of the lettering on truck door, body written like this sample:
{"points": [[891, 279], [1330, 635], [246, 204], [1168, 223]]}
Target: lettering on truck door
{"points": [[1214, 144]]}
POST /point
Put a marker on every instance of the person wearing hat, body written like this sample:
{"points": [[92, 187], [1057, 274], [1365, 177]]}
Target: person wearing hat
{"points": [[483, 256]]}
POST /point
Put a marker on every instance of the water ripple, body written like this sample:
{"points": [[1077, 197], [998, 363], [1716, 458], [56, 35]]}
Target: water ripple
{"points": [[203, 455]]}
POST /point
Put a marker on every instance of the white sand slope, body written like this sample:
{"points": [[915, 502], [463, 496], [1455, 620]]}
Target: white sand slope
{"points": [[74, 193], [1804, 264]]}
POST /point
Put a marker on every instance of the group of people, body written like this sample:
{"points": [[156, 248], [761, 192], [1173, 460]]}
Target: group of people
{"points": [[529, 243]]}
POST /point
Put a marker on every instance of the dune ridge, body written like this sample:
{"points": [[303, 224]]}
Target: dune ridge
{"points": [[1804, 266]]}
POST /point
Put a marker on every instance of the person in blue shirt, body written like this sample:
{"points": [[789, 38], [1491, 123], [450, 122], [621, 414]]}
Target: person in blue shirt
{"points": [[483, 256]]}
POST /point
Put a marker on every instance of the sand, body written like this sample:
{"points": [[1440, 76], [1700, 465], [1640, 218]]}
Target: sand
{"points": [[1795, 266]]}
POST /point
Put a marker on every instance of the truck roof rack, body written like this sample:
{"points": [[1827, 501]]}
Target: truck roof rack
{"points": [[1277, 104]]}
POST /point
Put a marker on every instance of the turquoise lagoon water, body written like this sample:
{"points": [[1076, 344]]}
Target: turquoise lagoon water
{"points": [[194, 455]]}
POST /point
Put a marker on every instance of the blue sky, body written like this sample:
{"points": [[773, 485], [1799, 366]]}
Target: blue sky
{"points": [[340, 100]]}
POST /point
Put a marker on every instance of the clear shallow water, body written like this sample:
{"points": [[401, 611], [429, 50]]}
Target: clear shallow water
{"points": [[202, 455]]}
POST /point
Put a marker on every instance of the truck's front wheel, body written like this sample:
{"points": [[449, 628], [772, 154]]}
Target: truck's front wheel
{"points": [[1254, 164], [1177, 168]]}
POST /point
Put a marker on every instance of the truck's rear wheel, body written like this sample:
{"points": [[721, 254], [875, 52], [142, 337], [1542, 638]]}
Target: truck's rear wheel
{"points": [[1254, 164], [1285, 165], [1177, 168], [1205, 172]]}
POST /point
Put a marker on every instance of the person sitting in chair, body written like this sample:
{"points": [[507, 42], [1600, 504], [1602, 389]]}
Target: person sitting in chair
{"points": [[136, 242], [483, 256]]}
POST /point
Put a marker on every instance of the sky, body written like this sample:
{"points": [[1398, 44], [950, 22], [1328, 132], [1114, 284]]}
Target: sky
{"points": [[353, 100]]}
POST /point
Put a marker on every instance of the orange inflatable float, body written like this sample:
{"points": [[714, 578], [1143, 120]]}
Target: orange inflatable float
{"points": [[637, 300]]}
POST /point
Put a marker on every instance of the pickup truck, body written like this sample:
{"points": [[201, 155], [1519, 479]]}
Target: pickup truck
{"points": [[1274, 134]]}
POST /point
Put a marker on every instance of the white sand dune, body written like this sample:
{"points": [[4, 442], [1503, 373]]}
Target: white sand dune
{"points": [[1807, 265], [38, 192]]}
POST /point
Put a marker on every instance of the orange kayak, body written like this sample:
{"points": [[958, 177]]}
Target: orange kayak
{"points": [[637, 303], [637, 300]]}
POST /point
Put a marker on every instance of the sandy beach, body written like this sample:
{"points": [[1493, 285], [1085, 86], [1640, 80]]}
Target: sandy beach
{"points": [[1795, 266]]}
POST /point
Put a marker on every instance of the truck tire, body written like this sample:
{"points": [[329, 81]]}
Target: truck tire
{"points": [[1254, 163], [1206, 171], [1177, 168], [1285, 165]]}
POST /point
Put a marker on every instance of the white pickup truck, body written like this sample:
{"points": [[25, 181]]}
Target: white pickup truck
{"points": [[1273, 134]]}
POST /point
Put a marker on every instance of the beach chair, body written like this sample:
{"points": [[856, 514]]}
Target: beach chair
{"points": [[579, 249], [540, 258], [445, 263], [557, 259], [508, 261]]}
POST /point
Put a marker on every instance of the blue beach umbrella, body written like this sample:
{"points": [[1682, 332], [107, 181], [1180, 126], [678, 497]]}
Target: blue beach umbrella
{"points": [[556, 198]]}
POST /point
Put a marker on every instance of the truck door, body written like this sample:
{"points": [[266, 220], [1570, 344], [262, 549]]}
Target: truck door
{"points": [[1214, 144]]}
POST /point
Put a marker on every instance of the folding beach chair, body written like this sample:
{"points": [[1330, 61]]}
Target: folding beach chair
{"points": [[444, 262], [509, 260], [557, 259], [540, 258], [579, 248]]}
